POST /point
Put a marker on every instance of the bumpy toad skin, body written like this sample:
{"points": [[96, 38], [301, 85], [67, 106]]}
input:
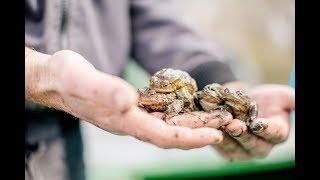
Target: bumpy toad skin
{"points": [[169, 80], [167, 102], [242, 106], [210, 98]]}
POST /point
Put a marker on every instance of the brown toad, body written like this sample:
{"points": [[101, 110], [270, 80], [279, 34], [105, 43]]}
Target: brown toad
{"points": [[170, 80], [210, 97], [153, 101], [242, 106]]}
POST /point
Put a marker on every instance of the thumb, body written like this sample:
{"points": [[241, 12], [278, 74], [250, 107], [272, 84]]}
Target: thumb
{"points": [[274, 93], [288, 95], [99, 88], [116, 93], [111, 91]]}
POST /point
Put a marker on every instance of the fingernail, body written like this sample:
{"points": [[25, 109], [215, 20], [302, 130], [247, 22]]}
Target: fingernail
{"points": [[222, 116], [124, 99], [217, 134], [235, 133], [258, 127]]}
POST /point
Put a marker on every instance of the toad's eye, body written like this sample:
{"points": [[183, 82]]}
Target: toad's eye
{"points": [[152, 92], [165, 83], [239, 93]]}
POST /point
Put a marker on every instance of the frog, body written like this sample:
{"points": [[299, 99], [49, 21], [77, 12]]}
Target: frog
{"points": [[161, 102], [243, 108], [168, 80], [210, 97]]}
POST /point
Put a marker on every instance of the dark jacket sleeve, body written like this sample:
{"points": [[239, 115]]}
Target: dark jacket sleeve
{"points": [[160, 38]]}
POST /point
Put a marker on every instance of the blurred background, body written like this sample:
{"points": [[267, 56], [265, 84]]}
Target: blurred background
{"points": [[259, 35]]}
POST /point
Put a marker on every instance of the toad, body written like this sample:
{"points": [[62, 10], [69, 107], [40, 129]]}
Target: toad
{"points": [[243, 108], [165, 102], [210, 97], [168, 80]]}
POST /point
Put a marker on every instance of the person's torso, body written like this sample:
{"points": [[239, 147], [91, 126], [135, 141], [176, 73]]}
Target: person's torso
{"points": [[98, 30]]}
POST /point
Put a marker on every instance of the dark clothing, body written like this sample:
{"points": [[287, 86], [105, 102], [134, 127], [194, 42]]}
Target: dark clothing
{"points": [[53, 146], [107, 33]]}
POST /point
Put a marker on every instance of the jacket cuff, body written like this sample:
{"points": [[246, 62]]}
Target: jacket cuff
{"points": [[212, 72]]}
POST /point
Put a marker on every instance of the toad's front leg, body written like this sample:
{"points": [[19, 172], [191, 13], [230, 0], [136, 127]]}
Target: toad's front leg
{"points": [[174, 108], [188, 98], [253, 114], [253, 111]]}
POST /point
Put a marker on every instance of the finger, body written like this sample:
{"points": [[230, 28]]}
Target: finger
{"points": [[159, 115], [288, 94], [108, 90], [283, 96], [231, 149], [255, 145], [276, 128], [214, 119], [150, 129], [142, 109]]}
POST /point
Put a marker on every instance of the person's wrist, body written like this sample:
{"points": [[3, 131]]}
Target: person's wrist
{"points": [[41, 82], [36, 74]]}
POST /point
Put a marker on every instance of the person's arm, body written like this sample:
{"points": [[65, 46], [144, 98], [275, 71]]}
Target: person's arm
{"points": [[51, 79], [161, 39]]}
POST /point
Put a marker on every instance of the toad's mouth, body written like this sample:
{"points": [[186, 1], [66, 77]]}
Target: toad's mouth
{"points": [[232, 101], [162, 89]]}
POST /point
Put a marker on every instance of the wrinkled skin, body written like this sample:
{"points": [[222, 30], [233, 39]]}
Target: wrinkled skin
{"points": [[153, 101], [169, 80], [243, 108]]}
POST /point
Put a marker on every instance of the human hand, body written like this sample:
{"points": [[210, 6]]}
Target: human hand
{"points": [[271, 127], [198, 119], [68, 82]]}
